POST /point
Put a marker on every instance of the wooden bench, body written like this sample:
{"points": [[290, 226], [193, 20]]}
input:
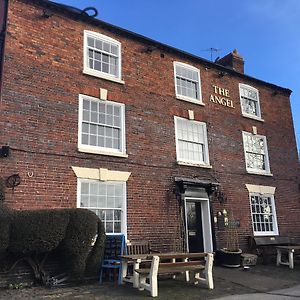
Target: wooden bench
{"points": [[136, 248], [266, 245], [140, 247], [290, 251], [167, 264]]}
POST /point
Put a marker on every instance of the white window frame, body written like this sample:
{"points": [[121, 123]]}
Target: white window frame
{"points": [[245, 114], [275, 224], [204, 164], [124, 203], [267, 170], [183, 97], [96, 73], [97, 149]]}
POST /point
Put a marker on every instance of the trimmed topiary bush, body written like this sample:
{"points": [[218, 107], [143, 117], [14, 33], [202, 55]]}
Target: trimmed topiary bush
{"points": [[72, 232]]}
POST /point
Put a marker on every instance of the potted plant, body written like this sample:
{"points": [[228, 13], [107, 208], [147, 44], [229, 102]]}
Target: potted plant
{"points": [[230, 255]]}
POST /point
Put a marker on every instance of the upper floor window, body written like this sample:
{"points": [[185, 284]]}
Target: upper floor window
{"points": [[249, 101], [191, 142], [102, 56], [107, 199], [263, 214], [101, 126], [256, 153], [187, 83]]}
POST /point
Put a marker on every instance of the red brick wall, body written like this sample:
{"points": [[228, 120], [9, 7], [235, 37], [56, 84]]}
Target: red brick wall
{"points": [[39, 120]]}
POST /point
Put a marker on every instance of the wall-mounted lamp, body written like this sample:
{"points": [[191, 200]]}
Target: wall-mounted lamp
{"points": [[220, 196], [4, 151]]}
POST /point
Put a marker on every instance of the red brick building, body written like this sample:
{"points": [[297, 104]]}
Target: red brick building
{"points": [[163, 145]]}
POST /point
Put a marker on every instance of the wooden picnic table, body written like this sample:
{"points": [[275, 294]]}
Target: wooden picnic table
{"points": [[290, 250], [137, 259]]}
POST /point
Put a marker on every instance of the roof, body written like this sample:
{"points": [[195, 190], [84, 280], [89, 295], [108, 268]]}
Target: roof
{"points": [[79, 14]]}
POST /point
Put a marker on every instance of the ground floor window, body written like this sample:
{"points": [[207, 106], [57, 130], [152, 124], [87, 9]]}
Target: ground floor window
{"points": [[263, 213], [107, 199]]}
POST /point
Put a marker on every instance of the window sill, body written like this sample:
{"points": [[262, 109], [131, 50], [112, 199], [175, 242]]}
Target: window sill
{"points": [[183, 163], [94, 151], [259, 173], [102, 75], [192, 100], [265, 234], [253, 118]]}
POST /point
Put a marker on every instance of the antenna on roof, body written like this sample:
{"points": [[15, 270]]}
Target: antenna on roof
{"points": [[211, 49]]}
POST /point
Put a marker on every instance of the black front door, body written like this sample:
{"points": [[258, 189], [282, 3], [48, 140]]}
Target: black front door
{"points": [[194, 226]]}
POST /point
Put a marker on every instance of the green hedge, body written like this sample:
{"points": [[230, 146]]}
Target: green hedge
{"points": [[71, 231]]}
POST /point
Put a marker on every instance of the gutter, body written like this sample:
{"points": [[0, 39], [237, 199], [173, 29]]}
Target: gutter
{"points": [[3, 26]]}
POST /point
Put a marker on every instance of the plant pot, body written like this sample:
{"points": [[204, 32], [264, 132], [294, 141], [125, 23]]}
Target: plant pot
{"points": [[230, 259]]}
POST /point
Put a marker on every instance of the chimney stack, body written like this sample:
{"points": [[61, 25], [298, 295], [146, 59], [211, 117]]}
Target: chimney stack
{"points": [[232, 60]]}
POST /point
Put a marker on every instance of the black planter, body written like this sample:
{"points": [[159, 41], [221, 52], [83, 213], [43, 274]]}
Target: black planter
{"points": [[230, 259]]}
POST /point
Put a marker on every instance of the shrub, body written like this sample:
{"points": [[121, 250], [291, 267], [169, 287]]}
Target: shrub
{"points": [[71, 231]]}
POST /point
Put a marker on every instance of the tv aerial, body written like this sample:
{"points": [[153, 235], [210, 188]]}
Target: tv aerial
{"points": [[212, 50]]}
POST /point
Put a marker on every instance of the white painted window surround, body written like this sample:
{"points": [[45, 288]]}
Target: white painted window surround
{"points": [[263, 210], [104, 192], [101, 127], [102, 56], [263, 213], [256, 154], [250, 105], [187, 83], [191, 142]]}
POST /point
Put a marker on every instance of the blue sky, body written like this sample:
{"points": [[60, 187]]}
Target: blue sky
{"points": [[265, 32]]}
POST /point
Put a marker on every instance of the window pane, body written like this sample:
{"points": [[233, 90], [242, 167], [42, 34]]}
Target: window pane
{"points": [[93, 201], [114, 49], [109, 215], [91, 42], [117, 228], [85, 139], [84, 188], [84, 202], [109, 227], [97, 65], [98, 44]]}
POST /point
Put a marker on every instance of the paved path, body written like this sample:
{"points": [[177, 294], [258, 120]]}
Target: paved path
{"points": [[292, 293]]}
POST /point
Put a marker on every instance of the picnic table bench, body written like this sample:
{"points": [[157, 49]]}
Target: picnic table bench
{"points": [[168, 264], [289, 250], [264, 245]]}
